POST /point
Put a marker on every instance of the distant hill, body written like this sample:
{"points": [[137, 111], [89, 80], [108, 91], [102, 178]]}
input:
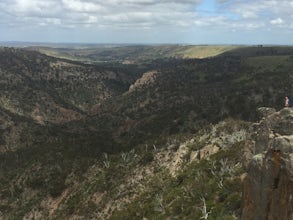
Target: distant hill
{"points": [[131, 54]]}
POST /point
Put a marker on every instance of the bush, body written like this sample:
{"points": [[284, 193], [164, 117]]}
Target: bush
{"points": [[146, 158]]}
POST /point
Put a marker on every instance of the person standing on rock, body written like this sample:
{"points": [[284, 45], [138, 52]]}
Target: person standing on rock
{"points": [[287, 101]]}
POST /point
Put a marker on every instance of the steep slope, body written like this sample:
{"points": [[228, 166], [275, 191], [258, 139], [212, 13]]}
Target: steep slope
{"points": [[73, 86], [38, 91], [144, 182], [181, 96], [268, 186], [142, 141]]}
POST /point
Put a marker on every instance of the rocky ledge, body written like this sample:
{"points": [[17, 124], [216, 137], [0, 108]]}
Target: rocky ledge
{"points": [[268, 160]]}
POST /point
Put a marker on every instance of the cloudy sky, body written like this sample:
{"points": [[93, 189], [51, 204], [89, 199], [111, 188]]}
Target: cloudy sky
{"points": [[148, 21]]}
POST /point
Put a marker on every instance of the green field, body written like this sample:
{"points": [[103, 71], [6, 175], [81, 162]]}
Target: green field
{"points": [[134, 53]]}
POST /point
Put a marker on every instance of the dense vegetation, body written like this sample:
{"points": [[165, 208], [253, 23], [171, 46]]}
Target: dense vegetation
{"points": [[75, 141]]}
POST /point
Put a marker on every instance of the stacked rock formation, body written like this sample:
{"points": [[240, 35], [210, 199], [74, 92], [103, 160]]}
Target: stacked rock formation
{"points": [[268, 159]]}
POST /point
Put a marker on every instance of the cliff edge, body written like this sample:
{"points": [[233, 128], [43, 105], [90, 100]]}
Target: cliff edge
{"points": [[268, 160]]}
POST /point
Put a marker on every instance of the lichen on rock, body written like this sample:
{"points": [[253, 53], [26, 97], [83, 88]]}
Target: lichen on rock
{"points": [[268, 185]]}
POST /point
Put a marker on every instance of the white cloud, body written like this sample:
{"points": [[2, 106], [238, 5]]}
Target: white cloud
{"points": [[111, 12], [277, 21], [79, 6], [33, 8], [248, 14], [155, 15]]}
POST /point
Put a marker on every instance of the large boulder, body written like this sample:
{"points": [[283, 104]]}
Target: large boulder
{"points": [[268, 160]]}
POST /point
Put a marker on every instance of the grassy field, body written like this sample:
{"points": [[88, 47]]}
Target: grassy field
{"points": [[203, 51], [134, 53]]}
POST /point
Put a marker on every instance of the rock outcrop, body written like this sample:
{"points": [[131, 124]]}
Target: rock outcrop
{"points": [[268, 158], [146, 79]]}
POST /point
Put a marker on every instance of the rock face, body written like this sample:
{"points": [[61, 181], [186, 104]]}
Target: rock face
{"points": [[147, 78], [268, 158]]}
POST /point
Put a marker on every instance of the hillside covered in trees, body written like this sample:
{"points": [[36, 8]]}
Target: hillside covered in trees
{"points": [[159, 138]]}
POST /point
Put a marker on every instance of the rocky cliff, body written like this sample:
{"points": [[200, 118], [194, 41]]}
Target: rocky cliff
{"points": [[268, 158]]}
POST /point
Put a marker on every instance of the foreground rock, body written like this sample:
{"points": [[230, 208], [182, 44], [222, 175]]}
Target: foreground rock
{"points": [[268, 158]]}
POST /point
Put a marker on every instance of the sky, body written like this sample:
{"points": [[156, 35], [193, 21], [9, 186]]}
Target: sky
{"points": [[148, 21]]}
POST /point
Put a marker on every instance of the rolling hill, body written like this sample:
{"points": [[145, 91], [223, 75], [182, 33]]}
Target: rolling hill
{"points": [[132, 54]]}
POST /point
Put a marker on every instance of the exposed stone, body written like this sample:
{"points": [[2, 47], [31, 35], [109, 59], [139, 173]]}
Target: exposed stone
{"points": [[268, 158], [283, 144], [178, 159], [147, 78], [207, 151], [265, 111], [194, 155]]}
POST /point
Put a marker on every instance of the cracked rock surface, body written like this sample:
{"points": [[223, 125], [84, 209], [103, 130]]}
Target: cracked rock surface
{"points": [[268, 159]]}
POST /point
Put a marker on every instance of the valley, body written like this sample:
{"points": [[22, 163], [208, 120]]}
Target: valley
{"points": [[132, 132]]}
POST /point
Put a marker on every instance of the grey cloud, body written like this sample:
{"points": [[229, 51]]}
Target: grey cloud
{"points": [[77, 11], [150, 2], [82, 6], [32, 8], [230, 14], [259, 13]]}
